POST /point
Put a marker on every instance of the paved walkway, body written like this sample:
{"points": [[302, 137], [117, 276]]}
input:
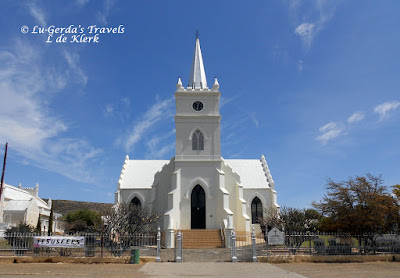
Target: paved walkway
{"points": [[210, 269], [198, 255]]}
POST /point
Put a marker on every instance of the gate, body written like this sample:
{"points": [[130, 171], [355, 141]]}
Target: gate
{"points": [[244, 247]]}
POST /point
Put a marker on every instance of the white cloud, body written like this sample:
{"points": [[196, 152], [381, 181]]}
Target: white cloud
{"points": [[306, 33], [104, 14], [82, 3], [355, 117], [254, 119], [158, 146], [160, 110], [109, 110], [329, 131], [384, 108], [33, 132], [118, 109], [73, 62], [328, 126], [333, 130], [300, 66], [225, 100], [37, 13], [126, 101], [310, 17]]}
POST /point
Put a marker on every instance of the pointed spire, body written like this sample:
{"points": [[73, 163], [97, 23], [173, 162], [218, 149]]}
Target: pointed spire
{"points": [[215, 87], [179, 84], [197, 74]]}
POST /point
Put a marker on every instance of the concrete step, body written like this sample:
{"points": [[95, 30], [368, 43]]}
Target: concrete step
{"points": [[201, 239]]}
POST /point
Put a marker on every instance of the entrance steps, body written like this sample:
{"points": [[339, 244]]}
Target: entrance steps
{"points": [[198, 239]]}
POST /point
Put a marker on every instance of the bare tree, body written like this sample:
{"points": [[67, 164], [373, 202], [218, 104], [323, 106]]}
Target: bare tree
{"points": [[271, 218], [126, 219]]}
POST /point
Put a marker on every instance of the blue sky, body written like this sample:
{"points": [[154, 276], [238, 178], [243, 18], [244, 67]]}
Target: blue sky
{"points": [[312, 85]]}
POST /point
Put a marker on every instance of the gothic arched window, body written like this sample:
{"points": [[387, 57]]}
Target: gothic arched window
{"points": [[198, 141], [256, 211], [136, 202]]}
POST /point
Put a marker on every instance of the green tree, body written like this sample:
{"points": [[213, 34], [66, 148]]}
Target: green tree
{"points": [[83, 221], [38, 228], [396, 191], [50, 230], [358, 205]]}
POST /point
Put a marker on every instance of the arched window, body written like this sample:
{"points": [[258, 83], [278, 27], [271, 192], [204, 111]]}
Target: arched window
{"points": [[136, 202], [198, 141], [256, 211]]}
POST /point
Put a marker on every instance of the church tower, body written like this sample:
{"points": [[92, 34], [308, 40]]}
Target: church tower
{"points": [[198, 150], [197, 119]]}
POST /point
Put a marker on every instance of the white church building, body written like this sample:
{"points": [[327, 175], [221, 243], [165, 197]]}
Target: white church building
{"points": [[198, 189]]}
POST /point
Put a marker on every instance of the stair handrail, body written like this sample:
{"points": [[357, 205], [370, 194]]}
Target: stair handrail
{"points": [[222, 235]]}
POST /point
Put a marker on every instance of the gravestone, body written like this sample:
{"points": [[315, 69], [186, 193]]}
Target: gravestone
{"points": [[276, 237]]}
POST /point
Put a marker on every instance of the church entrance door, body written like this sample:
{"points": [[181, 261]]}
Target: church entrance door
{"points": [[198, 208]]}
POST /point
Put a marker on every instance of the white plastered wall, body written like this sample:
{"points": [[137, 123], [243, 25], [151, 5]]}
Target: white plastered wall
{"points": [[160, 189], [236, 201], [204, 174]]}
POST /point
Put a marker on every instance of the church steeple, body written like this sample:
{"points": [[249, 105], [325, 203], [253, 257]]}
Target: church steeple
{"points": [[197, 74]]}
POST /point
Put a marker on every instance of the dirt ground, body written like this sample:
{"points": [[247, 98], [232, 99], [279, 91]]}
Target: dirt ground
{"points": [[70, 270], [311, 270], [344, 270]]}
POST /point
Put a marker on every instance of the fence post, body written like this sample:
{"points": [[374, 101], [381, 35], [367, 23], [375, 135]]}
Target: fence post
{"points": [[253, 243], [158, 258], [266, 241], [178, 247], [102, 244], [233, 247]]}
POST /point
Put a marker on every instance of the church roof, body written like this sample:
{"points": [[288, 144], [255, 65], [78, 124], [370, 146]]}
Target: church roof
{"points": [[251, 172], [140, 173], [198, 78]]}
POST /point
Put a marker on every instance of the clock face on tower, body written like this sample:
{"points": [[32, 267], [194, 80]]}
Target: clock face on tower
{"points": [[197, 105]]}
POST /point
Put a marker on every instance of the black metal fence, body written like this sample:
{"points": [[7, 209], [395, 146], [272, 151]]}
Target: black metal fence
{"points": [[96, 245], [316, 244]]}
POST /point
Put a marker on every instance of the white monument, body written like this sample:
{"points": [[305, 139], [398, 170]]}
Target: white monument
{"points": [[198, 189]]}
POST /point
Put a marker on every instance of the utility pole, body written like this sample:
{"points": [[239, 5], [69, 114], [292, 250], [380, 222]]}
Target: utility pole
{"points": [[4, 169], [1, 184]]}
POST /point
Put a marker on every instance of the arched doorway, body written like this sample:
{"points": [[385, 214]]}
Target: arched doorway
{"points": [[198, 208]]}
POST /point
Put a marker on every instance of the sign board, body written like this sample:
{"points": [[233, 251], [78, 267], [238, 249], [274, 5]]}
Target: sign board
{"points": [[276, 237], [59, 241]]}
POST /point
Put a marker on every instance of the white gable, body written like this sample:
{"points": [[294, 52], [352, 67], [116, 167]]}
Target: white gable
{"points": [[140, 173], [251, 172]]}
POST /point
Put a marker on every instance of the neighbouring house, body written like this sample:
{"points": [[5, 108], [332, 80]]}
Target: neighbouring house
{"points": [[23, 205]]}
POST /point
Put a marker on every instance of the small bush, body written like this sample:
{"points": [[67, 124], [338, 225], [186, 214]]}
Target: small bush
{"points": [[20, 238]]}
